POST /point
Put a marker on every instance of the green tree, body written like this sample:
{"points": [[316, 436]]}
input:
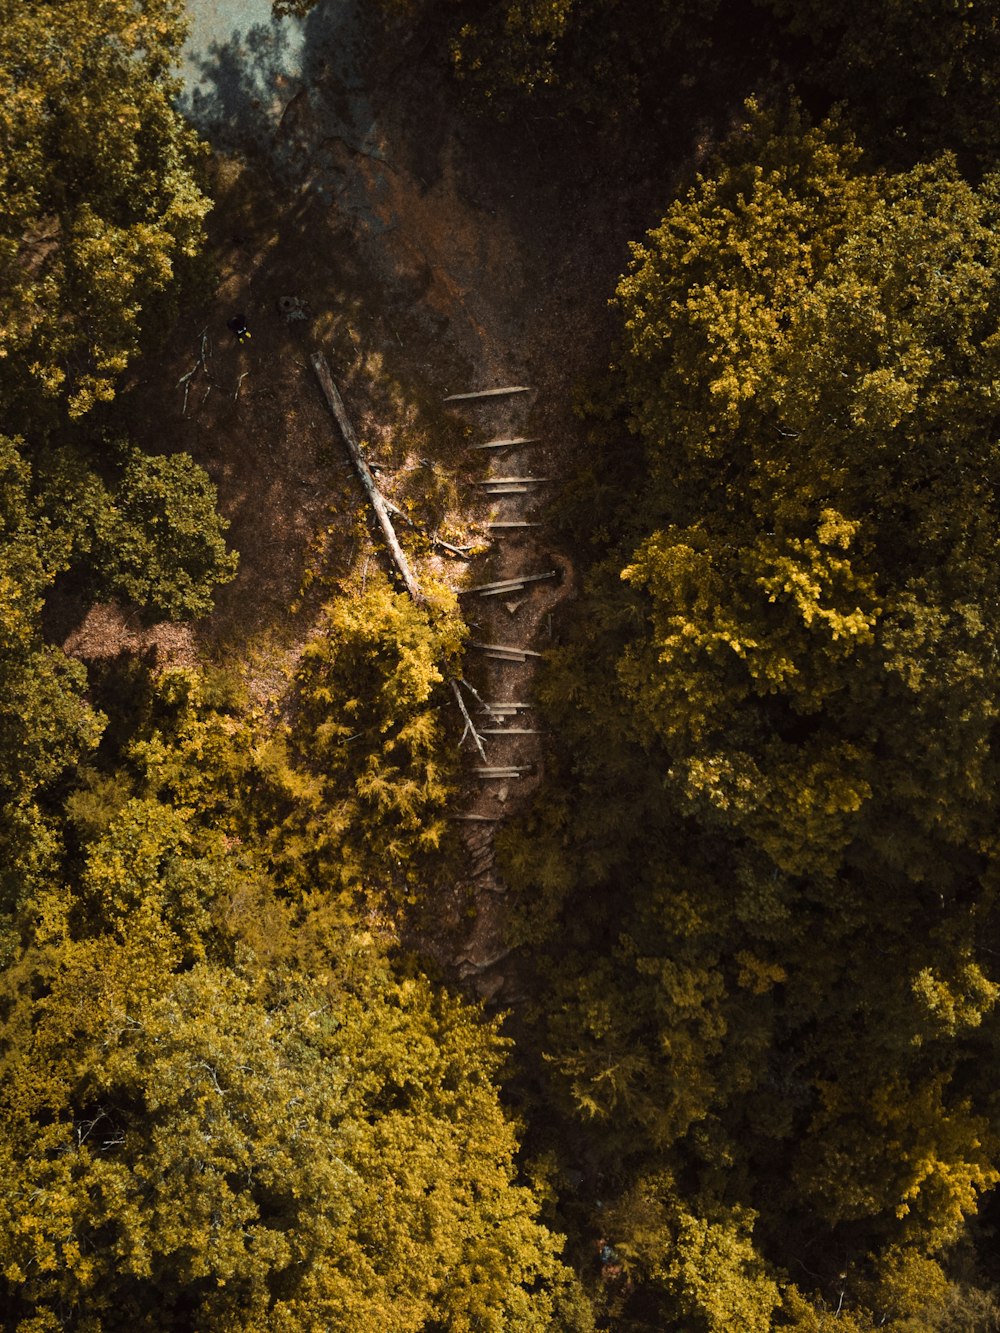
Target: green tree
{"points": [[769, 871], [924, 72], [101, 205], [158, 537], [46, 725], [361, 779], [195, 1137], [599, 55]]}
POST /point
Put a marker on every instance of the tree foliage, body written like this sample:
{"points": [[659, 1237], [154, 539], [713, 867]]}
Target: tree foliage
{"points": [[593, 54], [101, 205], [781, 702], [361, 779], [46, 725], [158, 540], [923, 71], [190, 1139]]}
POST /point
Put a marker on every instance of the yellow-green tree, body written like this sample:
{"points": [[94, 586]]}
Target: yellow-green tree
{"points": [[46, 724], [197, 1134], [360, 782], [768, 871], [101, 205]]}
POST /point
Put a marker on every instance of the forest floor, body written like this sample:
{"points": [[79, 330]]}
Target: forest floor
{"points": [[363, 212]]}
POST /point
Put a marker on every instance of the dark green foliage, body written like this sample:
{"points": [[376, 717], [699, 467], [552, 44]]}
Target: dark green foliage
{"points": [[158, 538], [594, 55], [45, 724], [921, 75], [773, 856]]}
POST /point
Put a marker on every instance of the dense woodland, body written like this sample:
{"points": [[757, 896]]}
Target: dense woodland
{"points": [[754, 1083]]}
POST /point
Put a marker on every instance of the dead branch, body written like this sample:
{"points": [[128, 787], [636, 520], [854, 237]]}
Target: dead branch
{"points": [[203, 355], [487, 708], [470, 726], [433, 538]]}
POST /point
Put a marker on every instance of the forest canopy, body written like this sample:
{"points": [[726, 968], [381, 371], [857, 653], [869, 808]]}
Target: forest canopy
{"points": [[804, 587], [751, 908], [223, 1103]]}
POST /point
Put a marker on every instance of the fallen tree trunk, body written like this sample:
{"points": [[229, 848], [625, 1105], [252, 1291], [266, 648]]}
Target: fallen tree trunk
{"points": [[336, 403]]}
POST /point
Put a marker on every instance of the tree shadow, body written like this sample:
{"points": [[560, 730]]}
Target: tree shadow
{"points": [[275, 92], [243, 87]]}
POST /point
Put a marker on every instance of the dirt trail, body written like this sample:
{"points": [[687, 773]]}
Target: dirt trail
{"points": [[522, 618]]}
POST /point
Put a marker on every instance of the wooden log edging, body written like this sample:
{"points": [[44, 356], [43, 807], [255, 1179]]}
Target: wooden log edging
{"points": [[508, 652], [487, 393], [336, 404], [503, 444], [513, 584]]}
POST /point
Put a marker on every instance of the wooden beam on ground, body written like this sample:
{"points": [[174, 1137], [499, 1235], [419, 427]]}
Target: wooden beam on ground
{"points": [[503, 444], [512, 771], [513, 481], [497, 488], [479, 819], [508, 651], [517, 524], [506, 709], [511, 584], [486, 393], [509, 731], [336, 404]]}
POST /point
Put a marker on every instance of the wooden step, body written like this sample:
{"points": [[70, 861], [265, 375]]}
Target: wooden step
{"points": [[503, 444], [486, 393], [513, 481], [511, 771], [509, 731], [511, 584], [508, 651], [515, 524]]}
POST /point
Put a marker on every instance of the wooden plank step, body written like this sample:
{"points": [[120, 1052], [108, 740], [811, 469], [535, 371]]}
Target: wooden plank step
{"points": [[513, 481], [519, 654], [516, 524], [497, 489], [479, 819], [503, 444], [509, 731], [508, 706], [487, 393], [510, 772], [512, 584]]}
